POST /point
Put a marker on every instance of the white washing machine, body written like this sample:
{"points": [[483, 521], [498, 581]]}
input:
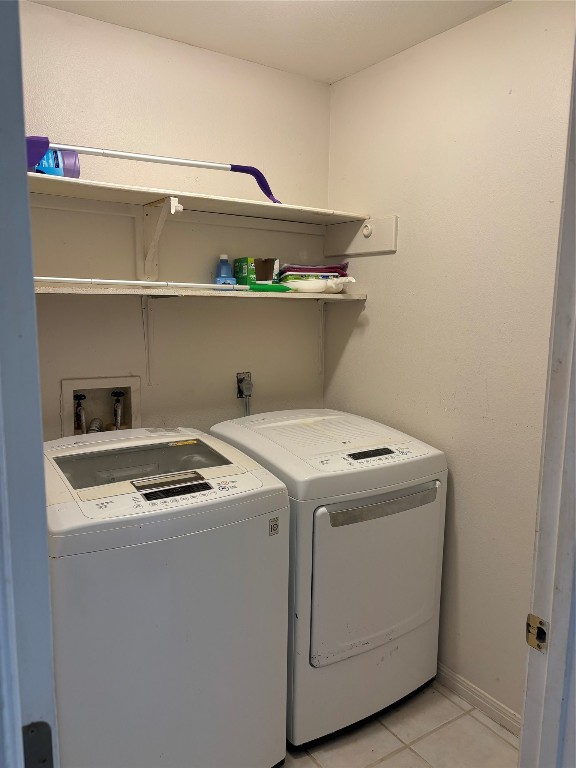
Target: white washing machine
{"points": [[367, 528], [169, 568]]}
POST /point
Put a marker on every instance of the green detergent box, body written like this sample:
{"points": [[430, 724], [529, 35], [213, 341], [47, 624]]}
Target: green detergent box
{"points": [[248, 270]]}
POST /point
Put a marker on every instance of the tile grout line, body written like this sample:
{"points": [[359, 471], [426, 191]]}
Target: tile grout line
{"points": [[462, 712], [311, 756], [390, 754], [408, 745], [495, 732], [435, 730], [420, 757], [475, 709], [376, 762], [451, 700]]}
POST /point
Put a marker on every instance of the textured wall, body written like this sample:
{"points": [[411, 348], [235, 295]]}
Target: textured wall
{"points": [[463, 136], [91, 83], [196, 350], [95, 84]]}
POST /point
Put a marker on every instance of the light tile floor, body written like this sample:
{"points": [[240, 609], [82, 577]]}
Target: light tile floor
{"points": [[435, 728]]}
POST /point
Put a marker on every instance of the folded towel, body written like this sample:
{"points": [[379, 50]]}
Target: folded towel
{"points": [[286, 276], [334, 269]]}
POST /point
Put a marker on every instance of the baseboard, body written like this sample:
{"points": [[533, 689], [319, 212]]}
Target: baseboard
{"points": [[479, 699]]}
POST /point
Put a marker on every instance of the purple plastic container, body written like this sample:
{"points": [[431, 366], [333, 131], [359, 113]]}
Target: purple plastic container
{"points": [[53, 162]]}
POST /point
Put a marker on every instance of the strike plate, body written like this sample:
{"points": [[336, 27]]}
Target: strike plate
{"points": [[537, 633]]}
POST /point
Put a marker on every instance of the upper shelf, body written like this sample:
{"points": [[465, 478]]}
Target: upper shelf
{"points": [[119, 193]]}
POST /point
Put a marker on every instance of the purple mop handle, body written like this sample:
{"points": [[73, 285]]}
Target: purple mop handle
{"points": [[260, 179], [37, 146]]}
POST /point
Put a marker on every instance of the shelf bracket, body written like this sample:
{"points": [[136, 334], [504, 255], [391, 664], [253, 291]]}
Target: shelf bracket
{"points": [[372, 237], [170, 205]]}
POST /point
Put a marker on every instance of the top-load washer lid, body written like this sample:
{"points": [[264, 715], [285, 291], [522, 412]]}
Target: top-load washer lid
{"points": [[321, 452], [123, 461], [122, 488]]}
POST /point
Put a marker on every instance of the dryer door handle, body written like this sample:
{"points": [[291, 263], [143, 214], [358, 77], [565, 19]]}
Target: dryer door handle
{"points": [[383, 505]]}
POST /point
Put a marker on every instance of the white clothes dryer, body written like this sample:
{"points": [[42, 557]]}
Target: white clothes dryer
{"points": [[169, 569], [367, 523]]}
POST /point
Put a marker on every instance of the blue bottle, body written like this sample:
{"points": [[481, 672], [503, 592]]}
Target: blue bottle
{"points": [[224, 274], [53, 162], [59, 163]]}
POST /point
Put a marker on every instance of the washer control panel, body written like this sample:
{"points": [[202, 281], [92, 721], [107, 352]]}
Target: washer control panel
{"points": [[169, 495]]}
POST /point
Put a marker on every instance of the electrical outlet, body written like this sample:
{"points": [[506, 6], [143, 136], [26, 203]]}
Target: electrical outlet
{"points": [[240, 377]]}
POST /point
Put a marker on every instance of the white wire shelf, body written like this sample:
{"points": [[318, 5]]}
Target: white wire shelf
{"points": [[118, 193]]}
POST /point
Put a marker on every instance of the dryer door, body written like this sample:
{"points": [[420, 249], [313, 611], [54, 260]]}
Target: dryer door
{"points": [[376, 570]]}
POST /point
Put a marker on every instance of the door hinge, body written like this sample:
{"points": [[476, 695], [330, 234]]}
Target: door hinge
{"points": [[37, 741], [537, 633]]}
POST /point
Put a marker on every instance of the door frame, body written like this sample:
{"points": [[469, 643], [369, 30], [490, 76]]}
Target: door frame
{"points": [[26, 665], [550, 674]]}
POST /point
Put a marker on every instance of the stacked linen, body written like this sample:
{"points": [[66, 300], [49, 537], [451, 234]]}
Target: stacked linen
{"points": [[323, 278], [306, 271]]}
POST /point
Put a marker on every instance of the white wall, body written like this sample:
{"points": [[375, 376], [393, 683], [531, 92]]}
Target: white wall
{"points": [[95, 84], [196, 350], [91, 83], [464, 136]]}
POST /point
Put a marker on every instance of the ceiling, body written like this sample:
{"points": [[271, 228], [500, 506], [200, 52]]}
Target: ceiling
{"points": [[324, 40]]}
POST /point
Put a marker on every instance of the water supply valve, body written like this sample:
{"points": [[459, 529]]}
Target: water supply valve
{"points": [[118, 394], [244, 388]]}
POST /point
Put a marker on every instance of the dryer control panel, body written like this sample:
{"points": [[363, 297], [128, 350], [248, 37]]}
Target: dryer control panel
{"points": [[318, 452], [370, 457]]}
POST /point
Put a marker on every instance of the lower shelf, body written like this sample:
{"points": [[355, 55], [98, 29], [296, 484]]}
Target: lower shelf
{"points": [[103, 290]]}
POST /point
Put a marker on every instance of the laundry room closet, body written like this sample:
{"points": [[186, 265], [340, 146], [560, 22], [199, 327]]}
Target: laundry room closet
{"points": [[444, 336]]}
